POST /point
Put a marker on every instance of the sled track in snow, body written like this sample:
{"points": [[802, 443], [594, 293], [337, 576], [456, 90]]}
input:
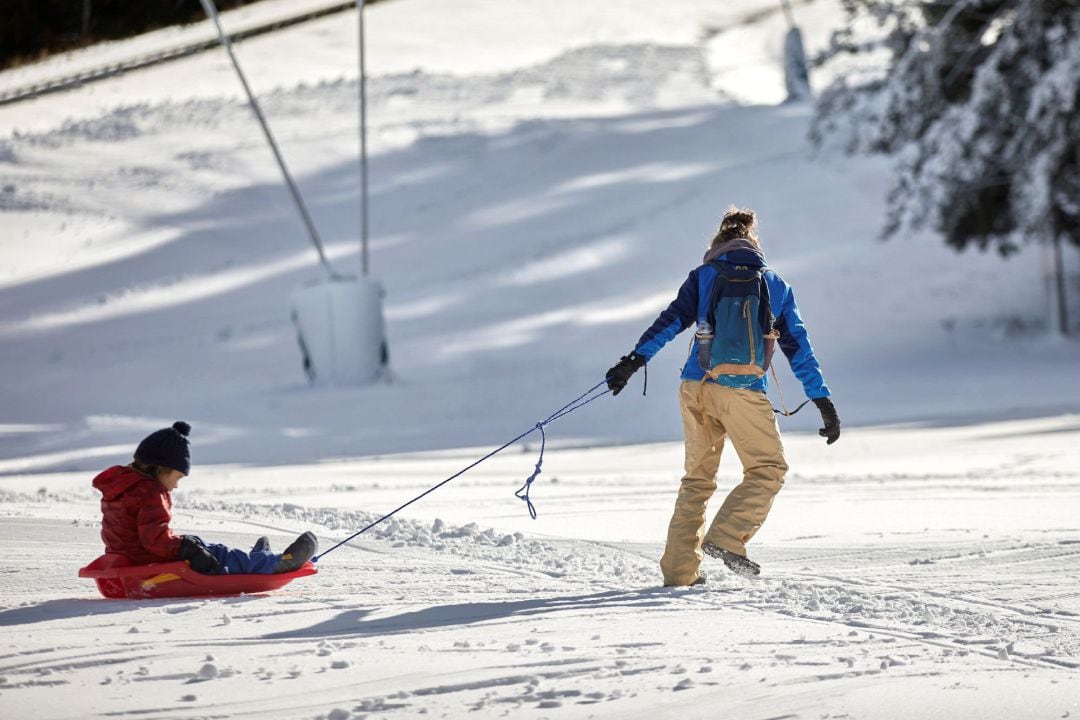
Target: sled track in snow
{"points": [[1049, 617], [999, 633], [957, 624]]}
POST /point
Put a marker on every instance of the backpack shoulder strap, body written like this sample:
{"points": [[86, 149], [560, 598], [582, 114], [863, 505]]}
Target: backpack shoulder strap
{"points": [[716, 288], [765, 313]]}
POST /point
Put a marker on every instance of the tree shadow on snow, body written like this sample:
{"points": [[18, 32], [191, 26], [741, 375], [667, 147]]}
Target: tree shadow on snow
{"points": [[501, 251], [354, 623]]}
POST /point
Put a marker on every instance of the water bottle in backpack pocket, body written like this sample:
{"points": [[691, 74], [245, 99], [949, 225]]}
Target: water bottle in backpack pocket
{"points": [[704, 337]]}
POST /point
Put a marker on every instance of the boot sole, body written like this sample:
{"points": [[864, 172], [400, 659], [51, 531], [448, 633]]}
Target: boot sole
{"points": [[735, 563]]}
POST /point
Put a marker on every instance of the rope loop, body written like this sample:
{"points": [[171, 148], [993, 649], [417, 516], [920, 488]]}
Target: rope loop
{"points": [[789, 413], [523, 491]]}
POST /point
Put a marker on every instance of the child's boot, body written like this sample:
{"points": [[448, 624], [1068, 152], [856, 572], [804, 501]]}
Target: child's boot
{"points": [[261, 545], [299, 552]]}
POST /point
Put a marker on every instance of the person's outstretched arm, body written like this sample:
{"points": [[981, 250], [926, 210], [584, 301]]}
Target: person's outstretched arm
{"points": [[795, 344], [679, 315]]}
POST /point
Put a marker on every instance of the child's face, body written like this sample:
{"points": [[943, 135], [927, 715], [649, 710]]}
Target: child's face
{"points": [[170, 478]]}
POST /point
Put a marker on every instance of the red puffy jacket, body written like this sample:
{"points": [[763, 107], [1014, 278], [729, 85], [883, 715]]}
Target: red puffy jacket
{"points": [[135, 514]]}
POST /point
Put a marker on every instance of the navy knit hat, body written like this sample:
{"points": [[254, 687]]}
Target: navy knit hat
{"points": [[167, 447]]}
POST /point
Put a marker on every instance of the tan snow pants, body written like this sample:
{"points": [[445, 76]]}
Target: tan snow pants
{"points": [[711, 412]]}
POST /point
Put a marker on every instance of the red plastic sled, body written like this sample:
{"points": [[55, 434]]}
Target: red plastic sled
{"points": [[117, 578]]}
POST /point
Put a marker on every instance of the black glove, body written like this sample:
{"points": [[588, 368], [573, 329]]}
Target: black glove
{"points": [[619, 375], [830, 418], [200, 559]]}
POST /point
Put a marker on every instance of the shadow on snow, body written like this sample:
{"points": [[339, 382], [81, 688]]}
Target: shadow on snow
{"points": [[354, 623]]}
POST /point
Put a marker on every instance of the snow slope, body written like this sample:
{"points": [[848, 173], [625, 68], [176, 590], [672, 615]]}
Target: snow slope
{"points": [[165, 224], [538, 193]]}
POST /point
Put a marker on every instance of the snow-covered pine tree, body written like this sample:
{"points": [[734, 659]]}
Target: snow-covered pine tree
{"points": [[980, 107]]}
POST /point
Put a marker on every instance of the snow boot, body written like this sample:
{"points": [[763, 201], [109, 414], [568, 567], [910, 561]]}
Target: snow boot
{"points": [[701, 579], [738, 564], [261, 545], [297, 554]]}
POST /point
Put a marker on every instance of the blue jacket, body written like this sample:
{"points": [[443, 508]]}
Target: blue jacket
{"points": [[690, 307]]}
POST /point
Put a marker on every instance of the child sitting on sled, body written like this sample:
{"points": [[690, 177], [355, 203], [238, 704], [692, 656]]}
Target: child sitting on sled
{"points": [[136, 507]]}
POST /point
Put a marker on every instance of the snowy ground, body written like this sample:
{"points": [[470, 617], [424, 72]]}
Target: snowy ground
{"points": [[538, 194], [897, 586]]}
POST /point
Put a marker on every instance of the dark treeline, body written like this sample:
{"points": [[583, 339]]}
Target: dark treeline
{"points": [[31, 29]]}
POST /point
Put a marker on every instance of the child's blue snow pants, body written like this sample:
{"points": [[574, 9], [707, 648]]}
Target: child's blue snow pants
{"points": [[235, 561]]}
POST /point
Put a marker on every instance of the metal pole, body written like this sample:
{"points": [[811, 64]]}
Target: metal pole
{"points": [[86, 17], [211, 12], [1059, 288], [363, 148]]}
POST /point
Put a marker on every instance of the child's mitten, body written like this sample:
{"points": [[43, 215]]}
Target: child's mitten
{"points": [[200, 559]]}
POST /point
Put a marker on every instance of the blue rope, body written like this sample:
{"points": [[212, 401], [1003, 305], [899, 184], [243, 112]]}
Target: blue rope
{"points": [[578, 402], [523, 492]]}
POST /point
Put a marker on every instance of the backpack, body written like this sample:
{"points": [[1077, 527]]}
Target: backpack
{"points": [[737, 338]]}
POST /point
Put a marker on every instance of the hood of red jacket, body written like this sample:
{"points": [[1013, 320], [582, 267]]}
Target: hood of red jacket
{"points": [[117, 480]]}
